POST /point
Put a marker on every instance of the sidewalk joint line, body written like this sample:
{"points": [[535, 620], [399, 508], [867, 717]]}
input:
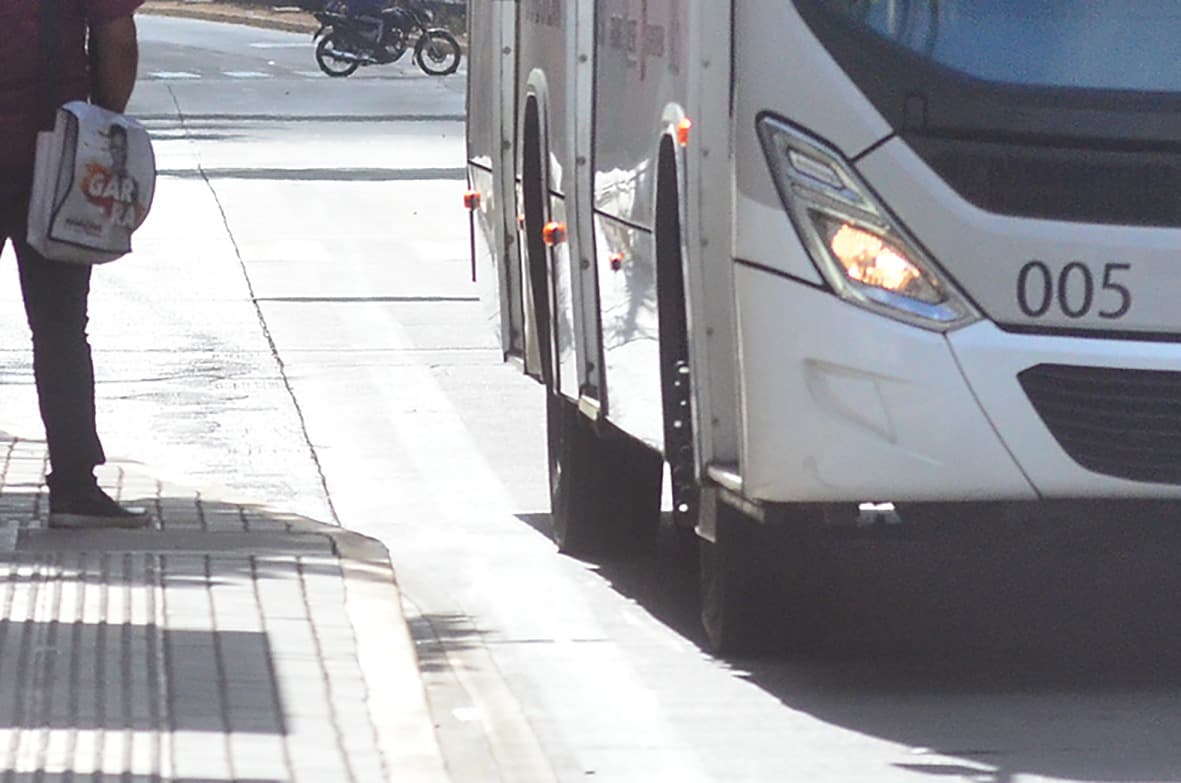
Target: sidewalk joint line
{"points": [[266, 331], [219, 661], [276, 693], [329, 690]]}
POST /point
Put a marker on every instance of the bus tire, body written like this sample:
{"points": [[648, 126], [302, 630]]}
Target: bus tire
{"points": [[759, 590], [728, 587], [604, 490]]}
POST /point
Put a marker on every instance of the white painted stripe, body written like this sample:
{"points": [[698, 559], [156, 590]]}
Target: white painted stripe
{"points": [[272, 45], [310, 74], [174, 75], [247, 74], [118, 758]]}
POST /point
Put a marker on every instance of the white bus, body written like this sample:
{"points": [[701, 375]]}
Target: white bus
{"points": [[820, 253]]}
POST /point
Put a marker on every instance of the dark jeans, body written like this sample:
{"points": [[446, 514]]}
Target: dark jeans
{"points": [[55, 294]]}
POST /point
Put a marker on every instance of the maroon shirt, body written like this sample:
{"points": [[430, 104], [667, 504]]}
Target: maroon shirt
{"points": [[20, 65]]}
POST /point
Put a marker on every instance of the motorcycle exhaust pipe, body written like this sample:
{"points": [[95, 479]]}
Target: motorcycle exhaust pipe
{"points": [[349, 57]]}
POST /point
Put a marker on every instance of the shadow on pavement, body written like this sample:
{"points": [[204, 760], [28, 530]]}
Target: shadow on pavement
{"points": [[438, 635], [1050, 647], [663, 580], [198, 627], [155, 629]]}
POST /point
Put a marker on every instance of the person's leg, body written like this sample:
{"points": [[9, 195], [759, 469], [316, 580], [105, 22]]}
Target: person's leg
{"points": [[55, 295], [10, 201]]}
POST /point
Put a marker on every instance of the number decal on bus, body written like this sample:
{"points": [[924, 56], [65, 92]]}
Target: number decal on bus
{"points": [[1075, 291]]}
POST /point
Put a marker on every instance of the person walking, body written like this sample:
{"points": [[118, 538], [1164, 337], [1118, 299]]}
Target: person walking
{"points": [[96, 55]]}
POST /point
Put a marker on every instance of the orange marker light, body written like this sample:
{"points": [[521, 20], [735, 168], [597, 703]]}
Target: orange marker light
{"points": [[554, 233], [684, 128], [521, 220], [616, 260], [471, 200]]}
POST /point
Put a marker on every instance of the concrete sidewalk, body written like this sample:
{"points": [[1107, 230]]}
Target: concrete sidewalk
{"points": [[289, 18], [228, 643]]}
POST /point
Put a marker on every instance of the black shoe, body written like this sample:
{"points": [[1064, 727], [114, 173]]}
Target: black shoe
{"points": [[90, 507]]}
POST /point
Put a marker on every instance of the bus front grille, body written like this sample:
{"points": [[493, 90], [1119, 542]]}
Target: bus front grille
{"points": [[1118, 422]]}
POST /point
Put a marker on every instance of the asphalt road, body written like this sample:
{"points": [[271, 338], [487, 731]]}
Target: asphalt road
{"points": [[297, 325]]}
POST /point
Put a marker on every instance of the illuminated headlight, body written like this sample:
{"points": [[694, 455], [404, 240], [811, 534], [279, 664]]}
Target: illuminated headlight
{"points": [[862, 251]]}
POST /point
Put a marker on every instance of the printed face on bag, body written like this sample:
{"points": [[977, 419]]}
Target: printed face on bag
{"points": [[110, 187], [117, 139]]}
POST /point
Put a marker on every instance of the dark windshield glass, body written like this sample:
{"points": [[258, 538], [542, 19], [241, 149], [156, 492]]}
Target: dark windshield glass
{"points": [[1098, 44]]}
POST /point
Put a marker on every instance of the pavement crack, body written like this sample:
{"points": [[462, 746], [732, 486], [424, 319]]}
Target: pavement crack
{"points": [[266, 331]]}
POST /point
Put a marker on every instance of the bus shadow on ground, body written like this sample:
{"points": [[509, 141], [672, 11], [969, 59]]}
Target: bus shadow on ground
{"points": [[661, 576], [1049, 646]]}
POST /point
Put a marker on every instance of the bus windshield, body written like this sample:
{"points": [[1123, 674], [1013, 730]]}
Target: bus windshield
{"points": [[1129, 45]]}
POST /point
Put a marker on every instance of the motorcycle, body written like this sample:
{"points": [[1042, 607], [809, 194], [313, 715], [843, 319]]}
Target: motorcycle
{"points": [[346, 42]]}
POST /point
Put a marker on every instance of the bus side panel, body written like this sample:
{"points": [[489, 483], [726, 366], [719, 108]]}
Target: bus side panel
{"points": [[542, 58], [631, 345], [489, 258], [640, 80], [580, 194], [544, 75], [639, 54], [563, 324], [483, 131], [490, 108], [707, 223]]}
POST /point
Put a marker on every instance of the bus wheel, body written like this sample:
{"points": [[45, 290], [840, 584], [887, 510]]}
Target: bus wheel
{"points": [[758, 588], [604, 488]]}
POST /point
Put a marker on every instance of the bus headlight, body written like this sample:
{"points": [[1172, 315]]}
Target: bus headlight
{"points": [[862, 251]]}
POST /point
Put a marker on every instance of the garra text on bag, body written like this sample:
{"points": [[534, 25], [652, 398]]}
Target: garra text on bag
{"points": [[93, 182]]}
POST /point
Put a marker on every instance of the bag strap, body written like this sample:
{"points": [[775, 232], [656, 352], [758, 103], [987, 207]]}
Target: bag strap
{"points": [[50, 35]]}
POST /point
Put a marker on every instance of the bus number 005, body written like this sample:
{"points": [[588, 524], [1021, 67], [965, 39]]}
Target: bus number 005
{"points": [[1074, 290]]}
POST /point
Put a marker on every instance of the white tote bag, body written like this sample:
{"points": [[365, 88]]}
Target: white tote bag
{"points": [[93, 181]]}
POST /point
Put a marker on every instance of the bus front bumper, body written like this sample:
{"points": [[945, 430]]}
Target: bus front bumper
{"points": [[840, 404]]}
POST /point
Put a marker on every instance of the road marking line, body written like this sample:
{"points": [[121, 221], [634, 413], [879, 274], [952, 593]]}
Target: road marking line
{"points": [[247, 74], [271, 45], [174, 75]]}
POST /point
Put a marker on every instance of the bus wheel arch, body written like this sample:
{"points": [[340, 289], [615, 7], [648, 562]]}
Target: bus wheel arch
{"points": [[532, 217], [604, 485], [672, 308], [756, 578]]}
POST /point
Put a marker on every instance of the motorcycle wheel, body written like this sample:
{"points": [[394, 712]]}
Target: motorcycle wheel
{"points": [[437, 53], [328, 61]]}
